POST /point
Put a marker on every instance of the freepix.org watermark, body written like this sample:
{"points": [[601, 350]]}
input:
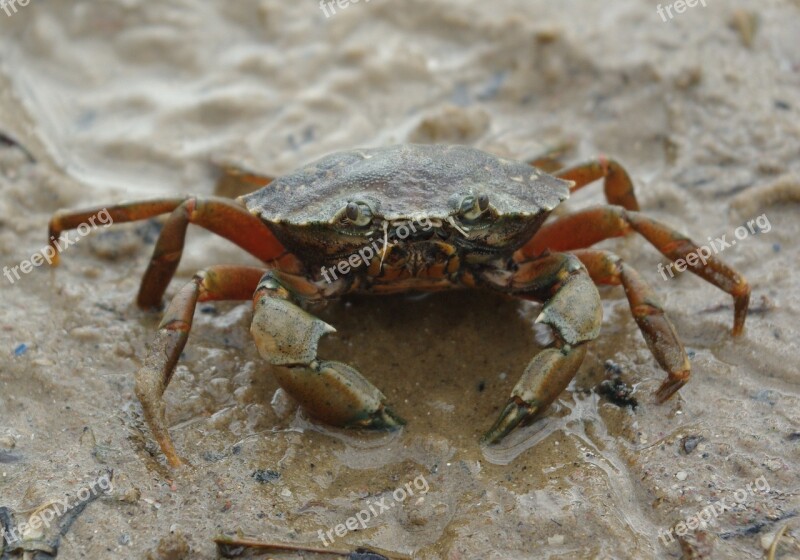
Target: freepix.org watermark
{"points": [[679, 6], [718, 245], [43, 516], [708, 515], [378, 248], [331, 5], [49, 253], [10, 6], [374, 509]]}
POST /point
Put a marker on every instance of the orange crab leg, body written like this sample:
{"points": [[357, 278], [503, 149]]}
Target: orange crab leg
{"points": [[550, 159], [606, 268], [65, 220], [221, 216], [240, 180], [587, 227], [213, 284], [618, 185]]}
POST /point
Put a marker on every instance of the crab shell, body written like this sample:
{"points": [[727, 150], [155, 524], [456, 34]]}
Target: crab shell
{"points": [[401, 184]]}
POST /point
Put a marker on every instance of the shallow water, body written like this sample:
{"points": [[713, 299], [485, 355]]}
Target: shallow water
{"points": [[127, 99]]}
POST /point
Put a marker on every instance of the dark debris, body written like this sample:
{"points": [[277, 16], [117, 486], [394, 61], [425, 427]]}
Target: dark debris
{"points": [[615, 389], [264, 476]]}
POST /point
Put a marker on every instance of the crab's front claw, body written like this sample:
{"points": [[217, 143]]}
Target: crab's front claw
{"points": [[546, 376], [512, 416], [333, 392], [338, 395], [284, 333]]}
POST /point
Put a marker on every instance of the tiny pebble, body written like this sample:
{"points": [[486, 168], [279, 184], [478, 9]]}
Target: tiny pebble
{"points": [[86, 334], [689, 443], [555, 540], [131, 496], [681, 475], [21, 349]]}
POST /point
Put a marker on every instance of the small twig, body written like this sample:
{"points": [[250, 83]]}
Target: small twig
{"points": [[774, 546], [230, 547]]}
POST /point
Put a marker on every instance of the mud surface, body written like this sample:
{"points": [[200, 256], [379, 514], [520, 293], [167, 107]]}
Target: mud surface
{"points": [[127, 99]]}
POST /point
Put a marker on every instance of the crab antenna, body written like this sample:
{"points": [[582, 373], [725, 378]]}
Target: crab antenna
{"points": [[385, 241], [455, 225]]}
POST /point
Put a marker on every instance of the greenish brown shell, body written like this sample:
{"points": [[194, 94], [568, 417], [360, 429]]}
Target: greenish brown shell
{"points": [[406, 181]]}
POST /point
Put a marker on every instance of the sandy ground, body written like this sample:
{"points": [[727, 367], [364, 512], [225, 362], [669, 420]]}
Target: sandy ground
{"points": [[128, 99]]}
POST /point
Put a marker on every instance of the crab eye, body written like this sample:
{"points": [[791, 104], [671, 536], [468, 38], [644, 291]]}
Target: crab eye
{"points": [[351, 211], [358, 213], [473, 206]]}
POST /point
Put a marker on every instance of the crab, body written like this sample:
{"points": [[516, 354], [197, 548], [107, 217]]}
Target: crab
{"points": [[434, 217]]}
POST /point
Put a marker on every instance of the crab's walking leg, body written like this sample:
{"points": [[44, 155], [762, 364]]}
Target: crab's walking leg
{"points": [[221, 216], [607, 268], [214, 283], [590, 226], [550, 160], [287, 336], [238, 179], [573, 310], [65, 220], [618, 185]]}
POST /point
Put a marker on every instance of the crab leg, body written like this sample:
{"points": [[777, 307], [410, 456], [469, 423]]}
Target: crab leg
{"points": [[65, 220], [221, 216], [213, 284], [550, 160], [618, 185], [573, 310], [590, 226], [607, 268], [288, 336]]}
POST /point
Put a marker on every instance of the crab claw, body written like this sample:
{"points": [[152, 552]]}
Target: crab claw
{"points": [[513, 414], [546, 376], [336, 393], [339, 395], [383, 419]]}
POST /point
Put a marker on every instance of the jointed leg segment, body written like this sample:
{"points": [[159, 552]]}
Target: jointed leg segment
{"points": [[221, 216], [617, 183], [658, 332], [587, 227], [213, 284]]}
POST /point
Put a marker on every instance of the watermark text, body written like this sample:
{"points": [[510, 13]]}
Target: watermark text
{"points": [[679, 6], [718, 244], [374, 509], [57, 246], [331, 5], [10, 6], [43, 516], [708, 515]]}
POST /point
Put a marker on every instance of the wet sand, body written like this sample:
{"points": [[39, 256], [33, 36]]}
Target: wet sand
{"points": [[127, 99]]}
